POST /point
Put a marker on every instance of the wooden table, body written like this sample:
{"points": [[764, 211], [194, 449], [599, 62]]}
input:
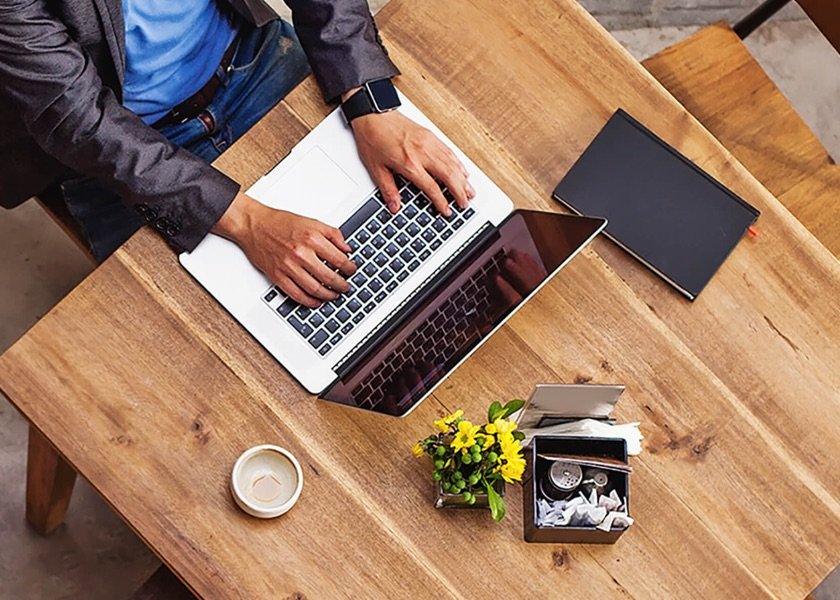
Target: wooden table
{"points": [[150, 390]]}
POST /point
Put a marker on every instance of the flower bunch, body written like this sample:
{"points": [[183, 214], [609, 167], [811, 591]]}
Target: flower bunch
{"points": [[470, 459]]}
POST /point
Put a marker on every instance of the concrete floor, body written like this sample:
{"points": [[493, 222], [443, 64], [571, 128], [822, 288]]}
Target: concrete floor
{"points": [[94, 555]]}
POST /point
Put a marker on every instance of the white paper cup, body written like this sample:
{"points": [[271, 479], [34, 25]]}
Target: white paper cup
{"points": [[266, 481]]}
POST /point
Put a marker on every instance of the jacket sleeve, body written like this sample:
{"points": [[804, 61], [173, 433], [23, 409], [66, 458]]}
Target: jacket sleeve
{"points": [[54, 87], [342, 43]]}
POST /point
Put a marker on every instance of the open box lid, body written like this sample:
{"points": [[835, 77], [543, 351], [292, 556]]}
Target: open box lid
{"points": [[553, 403]]}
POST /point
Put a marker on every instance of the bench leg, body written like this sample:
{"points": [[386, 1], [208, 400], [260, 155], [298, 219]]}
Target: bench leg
{"points": [[49, 484]]}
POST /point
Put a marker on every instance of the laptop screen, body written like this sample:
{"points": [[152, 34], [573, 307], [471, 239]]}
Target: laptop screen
{"points": [[467, 306]]}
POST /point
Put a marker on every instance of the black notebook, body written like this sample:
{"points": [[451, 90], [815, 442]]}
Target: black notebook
{"points": [[661, 207]]}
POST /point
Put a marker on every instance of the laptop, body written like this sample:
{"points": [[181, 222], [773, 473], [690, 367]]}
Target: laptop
{"points": [[428, 290]]}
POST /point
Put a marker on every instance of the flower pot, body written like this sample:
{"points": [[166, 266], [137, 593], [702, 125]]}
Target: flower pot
{"points": [[447, 500]]}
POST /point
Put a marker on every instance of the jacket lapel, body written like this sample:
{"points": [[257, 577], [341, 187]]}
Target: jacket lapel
{"points": [[113, 26]]}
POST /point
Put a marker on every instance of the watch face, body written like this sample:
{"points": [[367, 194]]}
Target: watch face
{"points": [[384, 95]]}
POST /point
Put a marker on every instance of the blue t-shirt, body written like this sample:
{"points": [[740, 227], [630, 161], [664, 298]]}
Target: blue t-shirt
{"points": [[172, 48]]}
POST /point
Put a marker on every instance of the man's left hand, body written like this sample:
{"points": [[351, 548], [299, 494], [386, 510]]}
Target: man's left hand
{"points": [[391, 143]]}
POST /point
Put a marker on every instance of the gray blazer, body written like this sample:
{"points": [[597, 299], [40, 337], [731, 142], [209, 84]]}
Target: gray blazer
{"points": [[61, 86]]}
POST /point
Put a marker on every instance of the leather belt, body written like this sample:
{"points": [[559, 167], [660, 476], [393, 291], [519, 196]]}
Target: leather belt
{"points": [[195, 104]]}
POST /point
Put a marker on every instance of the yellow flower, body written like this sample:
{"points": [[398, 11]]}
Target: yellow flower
{"points": [[465, 437], [509, 444], [444, 423], [418, 449], [512, 470], [500, 426], [489, 440]]}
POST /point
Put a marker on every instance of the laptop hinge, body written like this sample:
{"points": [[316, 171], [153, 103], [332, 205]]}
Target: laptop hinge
{"points": [[470, 248]]}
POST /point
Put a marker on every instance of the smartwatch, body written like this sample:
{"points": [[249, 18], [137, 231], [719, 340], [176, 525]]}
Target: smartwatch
{"points": [[375, 97]]}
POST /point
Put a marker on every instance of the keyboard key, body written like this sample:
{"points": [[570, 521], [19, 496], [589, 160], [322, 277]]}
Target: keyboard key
{"points": [[369, 269], [410, 211], [368, 251], [347, 328], [343, 315], [402, 275], [373, 226], [469, 212], [338, 301], [385, 276], [357, 260], [302, 312], [319, 338], [286, 308], [403, 239], [381, 260], [358, 318], [400, 221], [425, 254], [439, 224], [392, 250], [327, 309], [413, 229], [301, 327], [271, 295], [324, 349], [354, 245], [363, 236], [383, 215], [391, 286], [418, 246], [424, 219], [365, 295], [332, 326], [428, 235], [335, 339], [375, 285], [370, 307], [354, 305], [359, 279], [396, 265], [406, 255], [389, 231], [413, 188], [414, 264], [405, 194], [377, 242], [315, 320], [380, 297], [456, 224], [446, 234], [436, 244]]}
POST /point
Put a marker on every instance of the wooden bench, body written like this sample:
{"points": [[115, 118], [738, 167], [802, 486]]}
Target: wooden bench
{"points": [[716, 78]]}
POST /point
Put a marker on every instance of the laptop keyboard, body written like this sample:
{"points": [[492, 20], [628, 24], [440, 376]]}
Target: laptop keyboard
{"points": [[386, 249], [437, 339]]}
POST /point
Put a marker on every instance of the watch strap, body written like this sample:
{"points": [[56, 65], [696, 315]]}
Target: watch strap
{"points": [[358, 105]]}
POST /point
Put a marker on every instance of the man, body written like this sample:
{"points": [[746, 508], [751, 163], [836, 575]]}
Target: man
{"points": [[125, 102]]}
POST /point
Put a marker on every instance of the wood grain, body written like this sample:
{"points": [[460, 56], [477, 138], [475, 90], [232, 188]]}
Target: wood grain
{"points": [[155, 389], [49, 484]]}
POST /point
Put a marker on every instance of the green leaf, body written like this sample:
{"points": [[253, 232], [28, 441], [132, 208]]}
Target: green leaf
{"points": [[497, 504], [518, 435], [511, 407], [493, 411]]}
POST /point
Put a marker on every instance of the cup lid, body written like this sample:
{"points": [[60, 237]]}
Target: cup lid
{"points": [[266, 481]]}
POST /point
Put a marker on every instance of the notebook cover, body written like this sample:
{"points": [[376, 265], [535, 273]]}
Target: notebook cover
{"points": [[661, 207]]}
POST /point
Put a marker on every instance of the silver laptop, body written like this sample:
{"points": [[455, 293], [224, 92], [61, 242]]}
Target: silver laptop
{"points": [[428, 290]]}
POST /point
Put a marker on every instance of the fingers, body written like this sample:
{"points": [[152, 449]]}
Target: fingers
{"points": [[293, 291], [303, 277], [334, 235], [328, 252], [384, 180], [453, 174], [327, 277], [429, 186]]}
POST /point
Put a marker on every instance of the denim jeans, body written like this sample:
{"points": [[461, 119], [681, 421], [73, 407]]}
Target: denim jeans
{"points": [[269, 62]]}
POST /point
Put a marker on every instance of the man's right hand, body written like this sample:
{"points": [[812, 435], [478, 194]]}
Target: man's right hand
{"points": [[289, 249]]}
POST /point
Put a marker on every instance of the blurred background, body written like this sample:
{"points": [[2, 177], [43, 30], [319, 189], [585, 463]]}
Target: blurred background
{"points": [[94, 555]]}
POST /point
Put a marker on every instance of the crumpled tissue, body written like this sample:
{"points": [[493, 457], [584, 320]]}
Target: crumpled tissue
{"points": [[604, 512]]}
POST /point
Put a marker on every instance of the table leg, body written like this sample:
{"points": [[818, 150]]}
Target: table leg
{"points": [[49, 484]]}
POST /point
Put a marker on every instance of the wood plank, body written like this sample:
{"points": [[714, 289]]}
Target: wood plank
{"points": [[816, 202], [49, 484]]}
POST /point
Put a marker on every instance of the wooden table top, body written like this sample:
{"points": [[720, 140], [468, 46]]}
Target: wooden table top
{"points": [[151, 390]]}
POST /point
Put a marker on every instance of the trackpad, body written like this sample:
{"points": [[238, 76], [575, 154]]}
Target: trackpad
{"points": [[312, 186]]}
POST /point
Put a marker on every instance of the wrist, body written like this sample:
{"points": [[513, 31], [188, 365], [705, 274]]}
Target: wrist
{"points": [[236, 220]]}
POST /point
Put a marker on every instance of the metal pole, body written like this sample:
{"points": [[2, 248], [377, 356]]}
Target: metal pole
{"points": [[757, 17]]}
